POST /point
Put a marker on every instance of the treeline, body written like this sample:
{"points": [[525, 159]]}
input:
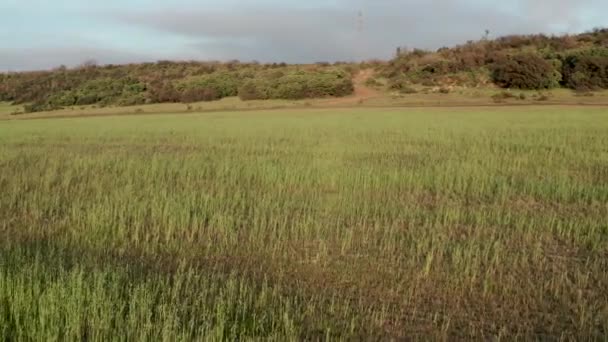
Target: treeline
{"points": [[165, 81], [578, 62]]}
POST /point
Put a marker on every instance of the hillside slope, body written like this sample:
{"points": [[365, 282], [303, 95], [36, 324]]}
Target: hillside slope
{"points": [[532, 62], [577, 62]]}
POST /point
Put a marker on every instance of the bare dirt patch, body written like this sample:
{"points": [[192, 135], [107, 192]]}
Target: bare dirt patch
{"points": [[362, 91]]}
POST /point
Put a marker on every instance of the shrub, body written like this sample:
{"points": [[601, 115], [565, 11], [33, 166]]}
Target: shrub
{"points": [[259, 89], [586, 70], [104, 91], [397, 83], [525, 71], [132, 100], [224, 84], [428, 83], [372, 82], [502, 96], [408, 90], [39, 107], [444, 90], [291, 89], [543, 98], [196, 95], [163, 92], [583, 93], [297, 85]]}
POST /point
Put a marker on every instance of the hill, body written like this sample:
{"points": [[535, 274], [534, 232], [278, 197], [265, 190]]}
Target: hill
{"points": [[538, 62]]}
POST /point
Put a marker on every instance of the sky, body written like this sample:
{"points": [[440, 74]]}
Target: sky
{"points": [[41, 34]]}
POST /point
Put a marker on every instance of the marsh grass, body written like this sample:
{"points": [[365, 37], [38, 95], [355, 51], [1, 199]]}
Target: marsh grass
{"points": [[316, 224]]}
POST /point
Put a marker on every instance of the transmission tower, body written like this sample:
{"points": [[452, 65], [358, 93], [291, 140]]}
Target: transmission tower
{"points": [[361, 35]]}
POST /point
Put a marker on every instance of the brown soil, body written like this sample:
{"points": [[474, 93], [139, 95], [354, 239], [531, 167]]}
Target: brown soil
{"points": [[362, 91]]}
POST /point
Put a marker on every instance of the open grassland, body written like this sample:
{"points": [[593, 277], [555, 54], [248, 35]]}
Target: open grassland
{"points": [[318, 224]]}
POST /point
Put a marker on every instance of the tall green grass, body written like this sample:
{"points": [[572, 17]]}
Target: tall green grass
{"points": [[343, 224]]}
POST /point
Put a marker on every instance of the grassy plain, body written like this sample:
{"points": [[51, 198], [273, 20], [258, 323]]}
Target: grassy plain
{"points": [[321, 224]]}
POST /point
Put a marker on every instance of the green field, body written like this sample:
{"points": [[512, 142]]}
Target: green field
{"points": [[306, 224]]}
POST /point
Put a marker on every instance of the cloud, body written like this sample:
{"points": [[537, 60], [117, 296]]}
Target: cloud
{"points": [[269, 31], [13, 59], [310, 34]]}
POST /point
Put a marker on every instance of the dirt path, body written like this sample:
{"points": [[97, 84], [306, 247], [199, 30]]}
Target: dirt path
{"points": [[362, 91]]}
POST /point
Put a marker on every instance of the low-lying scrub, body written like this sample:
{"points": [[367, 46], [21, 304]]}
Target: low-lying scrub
{"points": [[525, 71], [172, 82], [522, 62], [297, 85]]}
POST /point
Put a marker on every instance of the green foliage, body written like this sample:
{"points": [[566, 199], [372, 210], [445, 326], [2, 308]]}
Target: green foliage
{"points": [[298, 84], [515, 61], [586, 69], [525, 71], [163, 91], [4, 88], [224, 84], [502, 96], [105, 91], [398, 83], [167, 81], [255, 90], [373, 82]]}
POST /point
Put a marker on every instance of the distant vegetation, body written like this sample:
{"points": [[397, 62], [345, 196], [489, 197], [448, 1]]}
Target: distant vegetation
{"points": [[538, 62], [578, 62], [166, 81]]}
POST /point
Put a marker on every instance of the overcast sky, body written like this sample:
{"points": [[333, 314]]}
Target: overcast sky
{"points": [[38, 34]]}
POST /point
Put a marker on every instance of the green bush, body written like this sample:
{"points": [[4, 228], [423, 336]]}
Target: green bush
{"points": [[255, 90], [502, 96], [525, 71], [586, 69], [408, 90], [197, 94], [297, 85], [159, 92], [396, 83], [224, 84], [291, 88], [372, 82], [104, 91]]}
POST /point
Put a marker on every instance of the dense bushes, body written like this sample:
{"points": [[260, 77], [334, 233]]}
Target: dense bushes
{"points": [[525, 71], [517, 61], [172, 82], [104, 91], [586, 69], [4, 88], [163, 91], [223, 84], [263, 85], [297, 85], [199, 94]]}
